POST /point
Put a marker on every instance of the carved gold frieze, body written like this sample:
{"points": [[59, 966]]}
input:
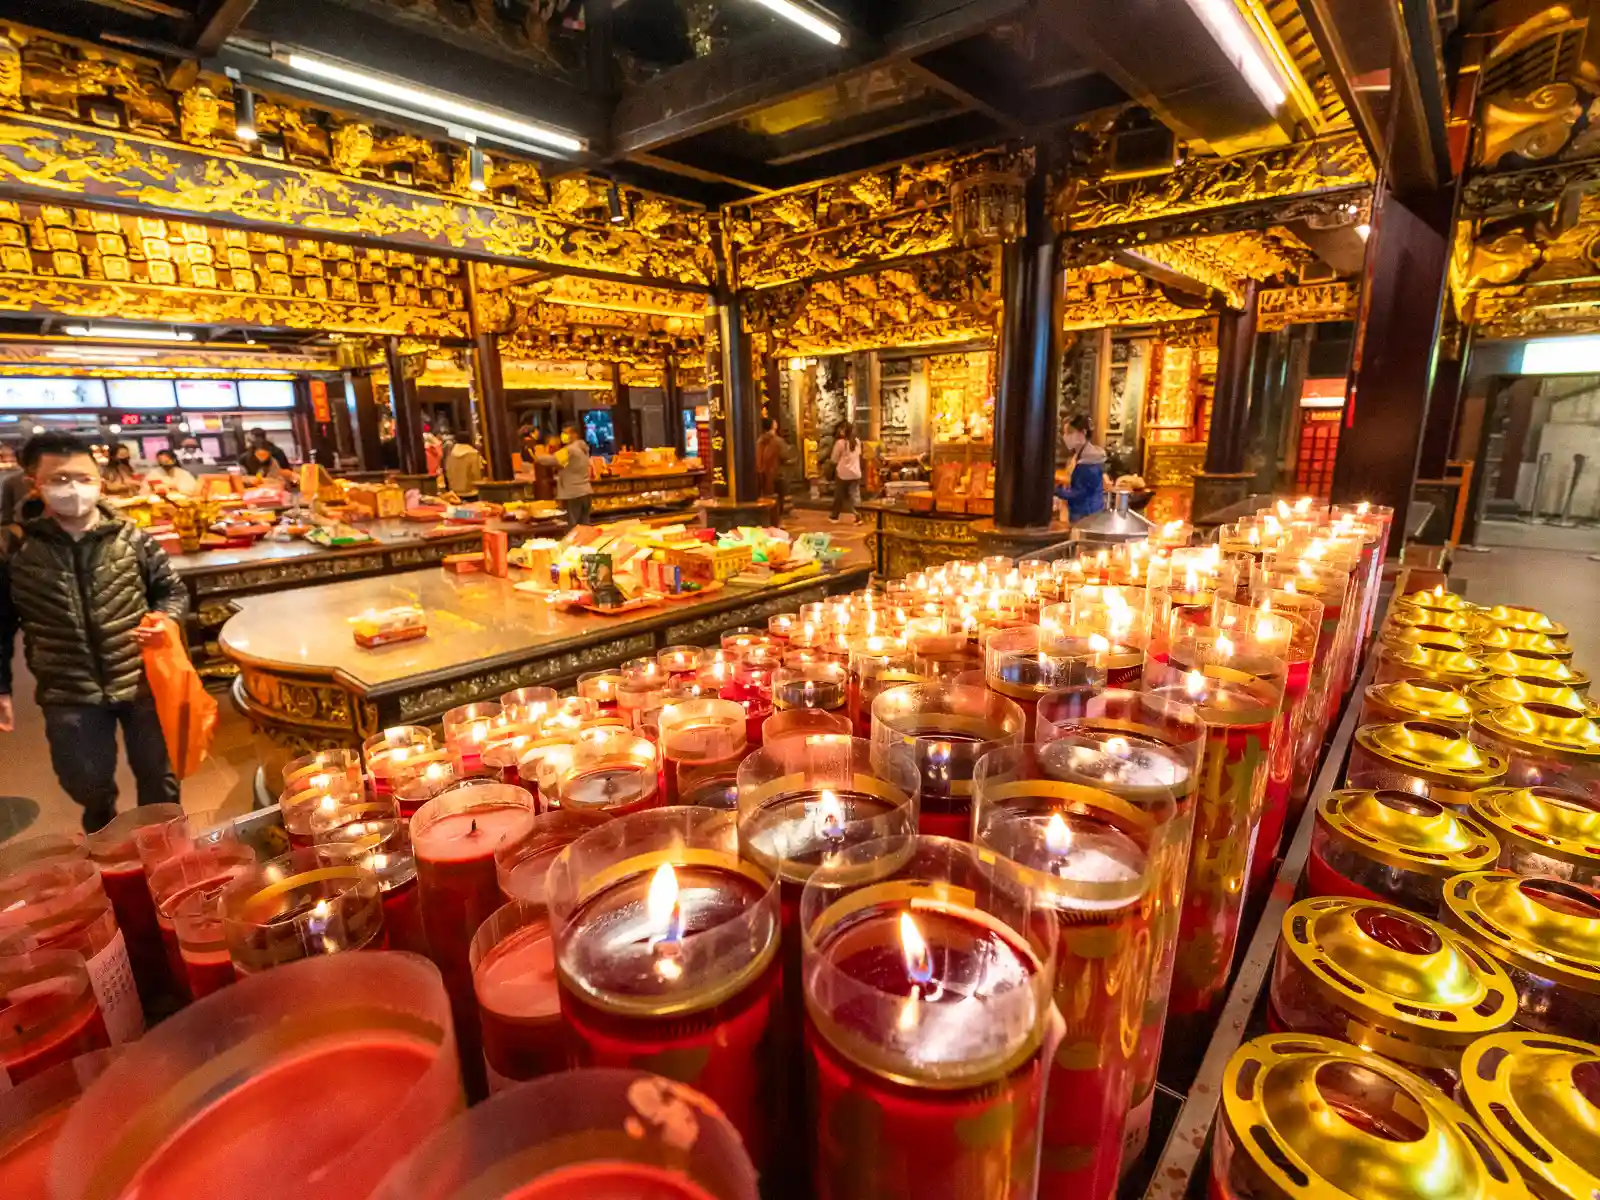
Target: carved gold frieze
{"points": [[610, 295], [1112, 295], [50, 353], [1530, 311], [1335, 162], [1228, 263], [1533, 125], [1307, 304]]}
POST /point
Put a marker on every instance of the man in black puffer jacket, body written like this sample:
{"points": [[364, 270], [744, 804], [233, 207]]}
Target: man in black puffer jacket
{"points": [[78, 584]]}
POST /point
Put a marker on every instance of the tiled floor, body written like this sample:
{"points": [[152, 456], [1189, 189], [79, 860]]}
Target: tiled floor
{"points": [[32, 800]]}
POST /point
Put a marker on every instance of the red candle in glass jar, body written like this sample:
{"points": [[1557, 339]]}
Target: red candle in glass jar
{"points": [[202, 948], [528, 705], [454, 837], [701, 742], [521, 866], [877, 664], [419, 778], [1024, 663], [114, 849], [519, 1003], [201, 868], [667, 956], [612, 771], [600, 689], [816, 685], [299, 906], [947, 727], [48, 1013], [598, 1133], [801, 722], [31, 1117], [375, 837], [467, 729], [927, 993], [308, 1080], [394, 745], [682, 663]]}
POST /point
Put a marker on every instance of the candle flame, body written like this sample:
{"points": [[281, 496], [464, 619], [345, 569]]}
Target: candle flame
{"points": [[1057, 837], [1195, 683], [831, 814], [1265, 632], [919, 964], [1303, 505], [1253, 536], [435, 772], [1225, 646], [809, 691], [1099, 643], [1283, 510], [1273, 526], [1116, 745], [1438, 589], [661, 906], [1171, 527], [1290, 586], [1191, 581]]}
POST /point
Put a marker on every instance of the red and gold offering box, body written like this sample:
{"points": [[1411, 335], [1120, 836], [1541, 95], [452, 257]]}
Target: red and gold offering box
{"points": [[667, 953], [1024, 663], [202, 868], [50, 1013], [1537, 1095], [60, 903], [947, 727], [464, 564], [701, 744], [1396, 847], [374, 836], [612, 771], [1092, 859], [1146, 751], [929, 965], [310, 1080], [1543, 744], [1430, 700], [31, 1117], [114, 849], [599, 1134], [393, 747], [496, 551], [1238, 692], [1424, 759], [376, 627], [1549, 831], [1309, 1116], [1381, 977], [1546, 933], [299, 906], [454, 837], [519, 1003]]}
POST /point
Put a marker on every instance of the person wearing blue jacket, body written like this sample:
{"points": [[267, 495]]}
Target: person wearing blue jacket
{"points": [[1085, 490]]}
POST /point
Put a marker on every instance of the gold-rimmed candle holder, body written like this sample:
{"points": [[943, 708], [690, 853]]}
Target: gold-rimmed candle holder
{"points": [[877, 664], [701, 744], [1536, 1096], [1550, 831], [1430, 700], [1393, 846], [1026, 663], [1543, 744], [1423, 759], [612, 771], [1497, 691], [383, 750], [299, 906], [1552, 668]]}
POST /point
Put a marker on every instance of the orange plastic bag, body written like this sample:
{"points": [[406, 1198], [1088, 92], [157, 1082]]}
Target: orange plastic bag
{"points": [[188, 712]]}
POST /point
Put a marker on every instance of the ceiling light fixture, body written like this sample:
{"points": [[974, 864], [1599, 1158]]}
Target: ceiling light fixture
{"points": [[436, 103], [614, 205], [131, 332], [244, 114], [806, 19], [1222, 18], [477, 170]]}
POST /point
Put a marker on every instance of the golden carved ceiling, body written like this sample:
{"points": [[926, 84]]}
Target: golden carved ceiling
{"points": [[1307, 304], [312, 167], [1107, 294], [49, 355], [1283, 33], [1229, 263]]}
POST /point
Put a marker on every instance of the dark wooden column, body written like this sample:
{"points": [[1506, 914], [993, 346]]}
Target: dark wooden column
{"points": [[1444, 409], [622, 410], [1230, 403], [363, 409], [1025, 431], [672, 403], [740, 398], [407, 412], [1408, 253], [320, 442], [494, 416]]}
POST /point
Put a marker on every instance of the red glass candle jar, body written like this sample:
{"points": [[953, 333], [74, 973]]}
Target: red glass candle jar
{"points": [[419, 778], [528, 704], [199, 868], [1543, 744], [701, 744], [667, 953], [1305, 1115], [466, 731], [310, 1080], [309, 769], [454, 838], [1393, 846], [307, 786], [877, 663], [1093, 860], [51, 1015], [815, 685], [803, 722], [1307, 723], [503, 751], [1378, 976], [928, 970], [376, 838], [519, 1003], [1423, 759], [1238, 692], [1146, 751], [202, 947], [31, 1117], [1548, 831], [1536, 1095], [114, 849], [521, 866], [741, 639], [300, 906], [682, 662], [393, 745], [1024, 663], [947, 727], [599, 1133], [1546, 933], [612, 771], [61, 904]]}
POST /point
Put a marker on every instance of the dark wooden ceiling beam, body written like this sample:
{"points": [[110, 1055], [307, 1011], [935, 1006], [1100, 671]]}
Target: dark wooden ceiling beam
{"points": [[216, 23]]}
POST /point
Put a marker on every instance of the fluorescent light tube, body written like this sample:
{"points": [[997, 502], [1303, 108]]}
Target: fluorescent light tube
{"points": [[807, 20], [131, 332], [1222, 18], [432, 102]]}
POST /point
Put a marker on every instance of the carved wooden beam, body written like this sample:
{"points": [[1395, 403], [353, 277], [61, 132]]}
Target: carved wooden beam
{"points": [[1308, 304]]}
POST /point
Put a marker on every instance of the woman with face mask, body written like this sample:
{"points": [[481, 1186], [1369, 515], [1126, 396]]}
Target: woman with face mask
{"points": [[119, 478], [167, 477], [79, 586]]}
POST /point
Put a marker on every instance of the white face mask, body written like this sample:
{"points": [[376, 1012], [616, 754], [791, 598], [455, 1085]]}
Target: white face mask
{"points": [[71, 500]]}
